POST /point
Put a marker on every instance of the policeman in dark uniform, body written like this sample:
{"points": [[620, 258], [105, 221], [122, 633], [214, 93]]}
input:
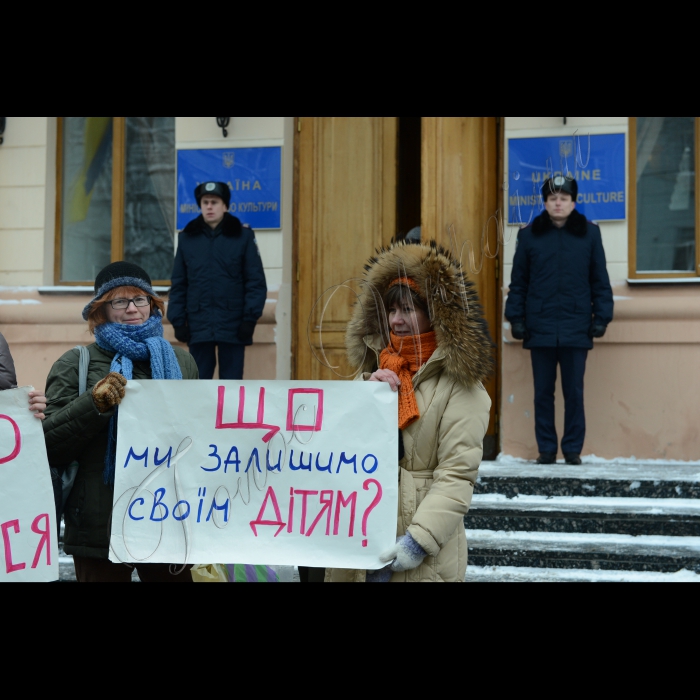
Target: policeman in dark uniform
{"points": [[560, 300], [219, 289]]}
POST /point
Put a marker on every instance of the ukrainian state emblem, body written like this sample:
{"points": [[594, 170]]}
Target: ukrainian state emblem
{"points": [[229, 160]]}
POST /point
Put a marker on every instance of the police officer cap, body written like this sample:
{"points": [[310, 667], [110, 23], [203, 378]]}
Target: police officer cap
{"points": [[559, 185], [215, 189]]}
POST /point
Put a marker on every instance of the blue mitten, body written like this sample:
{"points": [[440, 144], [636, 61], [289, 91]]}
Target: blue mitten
{"points": [[406, 555]]}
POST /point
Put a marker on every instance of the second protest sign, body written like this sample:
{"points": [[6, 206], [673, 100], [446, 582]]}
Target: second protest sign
{"points": [[278, 473]]}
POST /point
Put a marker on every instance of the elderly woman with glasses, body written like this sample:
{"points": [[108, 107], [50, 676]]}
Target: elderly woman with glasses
{"points": [[126, 317]]}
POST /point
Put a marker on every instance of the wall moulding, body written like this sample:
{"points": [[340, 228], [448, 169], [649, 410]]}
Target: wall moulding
{"points": [[29, 307], [668, 307]]}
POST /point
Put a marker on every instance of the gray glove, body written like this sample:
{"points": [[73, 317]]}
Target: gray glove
{"points": [[405, 556]]}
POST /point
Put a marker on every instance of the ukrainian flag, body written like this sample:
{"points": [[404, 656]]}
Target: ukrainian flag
{"points": [[98, 145]]}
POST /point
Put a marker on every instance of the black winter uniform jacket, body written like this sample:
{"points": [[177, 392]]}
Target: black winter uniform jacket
{"points": [[560, 283], [218, 281]]}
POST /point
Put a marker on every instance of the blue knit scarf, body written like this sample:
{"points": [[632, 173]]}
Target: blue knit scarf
{"points": [[135, 344]]}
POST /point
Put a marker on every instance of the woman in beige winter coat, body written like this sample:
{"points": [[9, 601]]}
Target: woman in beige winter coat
{"points": [[419, 327]]}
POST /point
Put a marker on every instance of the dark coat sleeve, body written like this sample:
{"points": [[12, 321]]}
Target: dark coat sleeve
{"points": [[72, 422], [255, 282], [601, 289], [188, 366], [8, 377], [519, 284], [177, 302]]}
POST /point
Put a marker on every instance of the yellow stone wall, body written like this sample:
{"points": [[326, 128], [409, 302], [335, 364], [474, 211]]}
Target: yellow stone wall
{"points": [[40, 324]]}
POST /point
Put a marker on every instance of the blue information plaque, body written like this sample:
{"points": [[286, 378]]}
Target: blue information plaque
{"points": [[254, 176], [598, 163]]}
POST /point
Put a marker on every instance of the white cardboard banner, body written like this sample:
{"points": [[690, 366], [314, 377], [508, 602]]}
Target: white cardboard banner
{"points": [[28, 533], [274, 473]]}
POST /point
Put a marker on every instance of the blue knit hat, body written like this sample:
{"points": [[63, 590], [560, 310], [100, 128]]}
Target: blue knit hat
{"points": [[120, 274]]}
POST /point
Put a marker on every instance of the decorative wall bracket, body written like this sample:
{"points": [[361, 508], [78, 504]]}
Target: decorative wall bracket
{"points": [[223, 123]]}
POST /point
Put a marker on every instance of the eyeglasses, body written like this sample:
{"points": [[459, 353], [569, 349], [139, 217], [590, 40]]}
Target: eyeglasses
{"points": [[122, 304]]}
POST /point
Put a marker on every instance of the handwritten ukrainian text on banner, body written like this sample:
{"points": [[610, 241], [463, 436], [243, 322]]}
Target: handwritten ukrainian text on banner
{"points": [[277, 473], [254, 176], [599, 167], [28, 534]]}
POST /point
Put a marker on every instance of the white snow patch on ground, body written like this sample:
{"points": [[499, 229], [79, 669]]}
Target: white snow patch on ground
{"points": [[525, 575], [691, 543], [622, 470], [647, 506], [589, 545], [592, 459]]}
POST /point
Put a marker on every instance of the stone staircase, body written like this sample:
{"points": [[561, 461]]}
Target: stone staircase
{"points": [[595, 523]]}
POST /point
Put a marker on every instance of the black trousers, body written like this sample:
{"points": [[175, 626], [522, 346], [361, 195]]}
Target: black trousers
{"points": [[231, 360], [308, 575], [103, 571], [573, 369]]}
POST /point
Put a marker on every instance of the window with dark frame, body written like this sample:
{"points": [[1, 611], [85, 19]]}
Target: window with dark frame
{"points": [[664, 226], [115, 196]]}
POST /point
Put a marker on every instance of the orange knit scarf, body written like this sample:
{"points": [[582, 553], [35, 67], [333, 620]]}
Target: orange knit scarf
{"points": [[405, 356]]}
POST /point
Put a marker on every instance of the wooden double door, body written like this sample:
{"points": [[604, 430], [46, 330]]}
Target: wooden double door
{"points": [[361, 181]]}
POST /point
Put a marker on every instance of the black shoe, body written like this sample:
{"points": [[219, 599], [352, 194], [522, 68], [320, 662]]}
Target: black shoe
{"points": [[573, 459], [547, 459]]}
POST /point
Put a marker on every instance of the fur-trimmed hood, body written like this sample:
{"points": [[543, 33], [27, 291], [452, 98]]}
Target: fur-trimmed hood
{"points": [[232, 226], [462, 333], [576, 224]]}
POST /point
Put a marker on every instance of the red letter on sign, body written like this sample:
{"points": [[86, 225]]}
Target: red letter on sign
{"points": [[291, 417], [271, 496], [6, 527], [18, 441], [241, 424], [45, 540]]}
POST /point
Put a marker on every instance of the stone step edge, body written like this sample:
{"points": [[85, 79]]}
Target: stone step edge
{"points": [[588, 544], [512, 574], [594, 505], [592, 472]]}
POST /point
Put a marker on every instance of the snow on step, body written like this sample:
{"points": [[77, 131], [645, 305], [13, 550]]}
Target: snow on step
{"points": [[670, 507], [508, 574], [593, 472], [543, 542]]}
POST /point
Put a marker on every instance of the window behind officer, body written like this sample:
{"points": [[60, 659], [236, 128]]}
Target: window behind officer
{"points": [[560, 300], [219, 289]]}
